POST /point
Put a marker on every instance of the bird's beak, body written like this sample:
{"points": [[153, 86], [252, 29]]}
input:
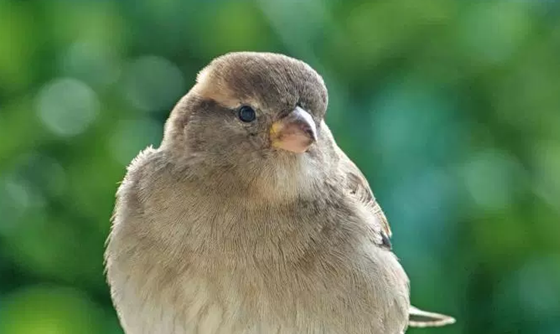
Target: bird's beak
{"points": [[295, 132]]}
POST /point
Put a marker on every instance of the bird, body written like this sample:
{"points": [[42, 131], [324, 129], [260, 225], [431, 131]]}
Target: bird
{"points": [[248, 218]]}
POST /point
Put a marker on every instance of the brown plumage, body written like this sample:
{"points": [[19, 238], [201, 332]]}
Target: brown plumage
{"points": [[249, 218]]}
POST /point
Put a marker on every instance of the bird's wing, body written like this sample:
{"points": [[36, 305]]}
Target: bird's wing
{"points": [[358, 186], [419, 318]]}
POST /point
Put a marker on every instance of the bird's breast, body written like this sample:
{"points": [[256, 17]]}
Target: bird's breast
{"points": [[224, 267]]}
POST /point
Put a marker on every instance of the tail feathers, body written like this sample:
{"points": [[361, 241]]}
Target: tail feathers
{"points": [[419, 318]]}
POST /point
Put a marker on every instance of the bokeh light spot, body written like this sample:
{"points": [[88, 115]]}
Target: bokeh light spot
{"points": [[67, 106], [489, 178], [49, 310], [92, 62], [17, 198], [493, 30], [126, 141], [153, 83]]}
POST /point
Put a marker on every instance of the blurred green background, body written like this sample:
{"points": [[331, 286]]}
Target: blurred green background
{"points": [[451, 108]]}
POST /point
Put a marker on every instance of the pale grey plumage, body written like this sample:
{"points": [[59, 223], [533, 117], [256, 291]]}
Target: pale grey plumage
{"points": [[217, 231]]}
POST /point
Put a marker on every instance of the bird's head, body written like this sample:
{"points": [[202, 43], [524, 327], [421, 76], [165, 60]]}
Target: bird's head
{"points": [[249, 106], [251, 111]]}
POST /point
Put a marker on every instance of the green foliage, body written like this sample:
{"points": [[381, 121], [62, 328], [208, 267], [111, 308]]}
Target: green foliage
{"points": [[451, 108]]}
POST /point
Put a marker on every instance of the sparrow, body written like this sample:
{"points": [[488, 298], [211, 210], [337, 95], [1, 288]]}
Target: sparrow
{"points": [[250, 219]]}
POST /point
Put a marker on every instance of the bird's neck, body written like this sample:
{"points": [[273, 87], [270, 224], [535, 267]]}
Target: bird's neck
{"points": [[277, 181]]}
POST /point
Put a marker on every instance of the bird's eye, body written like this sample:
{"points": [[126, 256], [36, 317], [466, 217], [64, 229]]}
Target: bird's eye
{"points": [[247, 114]]}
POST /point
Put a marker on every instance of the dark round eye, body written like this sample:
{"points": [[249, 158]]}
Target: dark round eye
{"points": [[247, 114]]}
